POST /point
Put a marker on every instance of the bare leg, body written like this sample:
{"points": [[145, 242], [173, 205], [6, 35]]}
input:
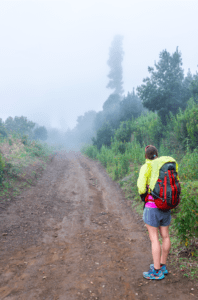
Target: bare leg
{"points": [[166, 244], [156, 248]]}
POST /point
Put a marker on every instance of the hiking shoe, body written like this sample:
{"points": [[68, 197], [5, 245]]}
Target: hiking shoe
{"points": [[152, 274], [163, 268]]}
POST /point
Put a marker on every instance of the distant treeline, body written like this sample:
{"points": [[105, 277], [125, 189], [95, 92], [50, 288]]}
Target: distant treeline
{"points": [[22, 127], [165, 92]]}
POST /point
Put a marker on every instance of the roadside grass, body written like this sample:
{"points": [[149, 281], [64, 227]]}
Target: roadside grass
{"points": [[21, 163]]}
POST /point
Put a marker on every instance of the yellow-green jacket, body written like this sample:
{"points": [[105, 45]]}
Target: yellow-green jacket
{"points": [[149, 173]]}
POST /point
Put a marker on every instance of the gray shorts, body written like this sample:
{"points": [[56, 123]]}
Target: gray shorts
{"points": [[156, 217]]}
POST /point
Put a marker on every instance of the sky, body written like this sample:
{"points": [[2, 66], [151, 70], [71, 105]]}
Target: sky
{"points": [[53, 54]]}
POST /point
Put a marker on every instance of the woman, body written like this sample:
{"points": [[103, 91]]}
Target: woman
{"points": [[154, 218]]}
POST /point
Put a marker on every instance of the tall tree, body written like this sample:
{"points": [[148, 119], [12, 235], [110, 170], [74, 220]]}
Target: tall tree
{"points": [[116, 54], [163, 90], [130, 106], [194, 87], [20, 125], [40, 133]]}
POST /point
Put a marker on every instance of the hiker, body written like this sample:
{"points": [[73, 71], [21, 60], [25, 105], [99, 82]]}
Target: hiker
{"points": [[154, 217]]}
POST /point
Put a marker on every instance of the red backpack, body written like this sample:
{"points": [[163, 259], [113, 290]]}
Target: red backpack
{"points": [[167, 190]]}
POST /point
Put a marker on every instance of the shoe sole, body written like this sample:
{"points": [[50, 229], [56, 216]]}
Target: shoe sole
{"points": [[154, 278]]}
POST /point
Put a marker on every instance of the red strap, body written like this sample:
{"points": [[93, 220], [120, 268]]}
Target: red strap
{"points": [[161, 188], [165, 186], [176, 191], [172, 187]]}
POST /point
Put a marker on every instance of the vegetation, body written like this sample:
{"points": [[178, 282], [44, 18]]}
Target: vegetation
{"points": [[22, 127], [166, 90], [21, 162], [116, 54], [125, 155]]}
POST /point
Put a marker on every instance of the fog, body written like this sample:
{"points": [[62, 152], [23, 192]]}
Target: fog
{"points": [[53, 54]]}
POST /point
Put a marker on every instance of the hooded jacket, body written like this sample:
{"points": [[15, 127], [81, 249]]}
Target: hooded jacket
{"points": [[149, 173]]}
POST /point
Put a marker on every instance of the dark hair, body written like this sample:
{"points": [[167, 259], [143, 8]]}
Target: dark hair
{"points": [[151, 152]]}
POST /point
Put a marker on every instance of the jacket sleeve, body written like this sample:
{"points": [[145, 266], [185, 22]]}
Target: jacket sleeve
{"points": [[142, 180]]}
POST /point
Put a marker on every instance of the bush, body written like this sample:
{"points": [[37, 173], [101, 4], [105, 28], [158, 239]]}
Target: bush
{"points": [[90, 150], [105, 155], [185, 125], [2, 166], [125, 130], [24, 139], [188, 169], [186, 221], [103, 136], [3, 132]]}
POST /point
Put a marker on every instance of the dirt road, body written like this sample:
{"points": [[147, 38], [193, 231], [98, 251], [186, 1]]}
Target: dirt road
{"points": [[74, 236]]}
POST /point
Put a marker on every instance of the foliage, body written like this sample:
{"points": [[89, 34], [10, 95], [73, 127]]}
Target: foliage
{"points": [[21, 164], [20, 125], [116, 54], [118, 167], [103, 136], [185, 125], [146, 129], [3, 132], [192, 125], [130, 106], [149, 129], [111, 110], [105, 155], [186, 221], [24, 139], [36, 149], [194, 87], [125, 130], [163, 91], [90, 151], [40, 133], [2, 166], [189, 166]]}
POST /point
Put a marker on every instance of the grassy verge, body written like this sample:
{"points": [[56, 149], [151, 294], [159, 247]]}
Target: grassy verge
{"points": [[21, 164]]}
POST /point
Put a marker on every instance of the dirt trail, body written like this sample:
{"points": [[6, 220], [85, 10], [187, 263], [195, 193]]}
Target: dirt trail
{"points": [[74, 236]]}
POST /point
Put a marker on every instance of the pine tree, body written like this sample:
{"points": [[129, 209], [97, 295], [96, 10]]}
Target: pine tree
{"points": [[116, 54]]}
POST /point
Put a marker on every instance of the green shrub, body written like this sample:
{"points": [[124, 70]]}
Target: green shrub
{"points": [[186, 221], [10, 142], [103, 136], [3, 132], [185, 125], [90, 150], [135, 152], [24, 139], [124, 132], [105, 155], [2, 166], [192, 126], [188, 168]]}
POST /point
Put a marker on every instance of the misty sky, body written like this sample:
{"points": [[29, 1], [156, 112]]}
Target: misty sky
{"points": [[53, 54]]}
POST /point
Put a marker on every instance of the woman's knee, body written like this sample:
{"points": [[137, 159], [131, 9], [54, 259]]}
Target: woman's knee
{"points": [[153, 233], [164, 232]]}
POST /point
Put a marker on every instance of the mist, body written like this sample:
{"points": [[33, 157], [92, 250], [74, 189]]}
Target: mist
{"points": [[54, 57]]}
